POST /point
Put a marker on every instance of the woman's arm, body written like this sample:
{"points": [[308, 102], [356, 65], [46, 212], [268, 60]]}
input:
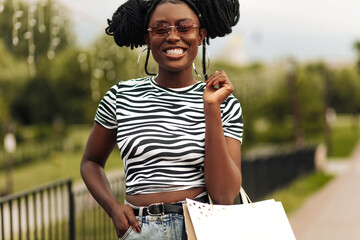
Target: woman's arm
{"points": [[98, 148], [222, 154]]}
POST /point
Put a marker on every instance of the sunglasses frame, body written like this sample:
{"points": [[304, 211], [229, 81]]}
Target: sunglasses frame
{"points": [[169, 27]]}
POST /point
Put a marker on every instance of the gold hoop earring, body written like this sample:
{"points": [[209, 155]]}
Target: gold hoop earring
{"points": [[146, 62], [196, 72], [206, 65]]}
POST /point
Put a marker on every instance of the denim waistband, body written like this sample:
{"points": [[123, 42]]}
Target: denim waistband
{"points": [[205, 193]]}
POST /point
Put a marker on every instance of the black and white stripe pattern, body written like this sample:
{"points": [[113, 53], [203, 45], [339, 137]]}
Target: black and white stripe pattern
{"points": [[161, 133]]}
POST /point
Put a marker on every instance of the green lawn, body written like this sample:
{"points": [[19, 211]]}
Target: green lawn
{"points": [[57, 166], [345, 135], [294, 195]]}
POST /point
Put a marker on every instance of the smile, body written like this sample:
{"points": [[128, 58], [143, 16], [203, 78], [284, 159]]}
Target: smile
{"points": [[175, 51]]}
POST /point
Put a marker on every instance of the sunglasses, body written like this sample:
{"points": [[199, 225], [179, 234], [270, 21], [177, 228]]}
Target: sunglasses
{"points": [[162, 29]]}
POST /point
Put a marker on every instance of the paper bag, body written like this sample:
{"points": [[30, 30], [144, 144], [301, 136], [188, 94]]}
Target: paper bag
{"points": [[261, 220]]}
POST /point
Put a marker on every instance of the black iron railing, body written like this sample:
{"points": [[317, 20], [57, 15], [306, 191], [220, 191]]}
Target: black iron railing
{"points": [[92, 223], [58, 211], [46, 212], [264, 174]]}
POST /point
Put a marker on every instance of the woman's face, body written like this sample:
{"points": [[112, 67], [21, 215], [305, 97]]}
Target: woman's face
{"points": [[174, 52]]}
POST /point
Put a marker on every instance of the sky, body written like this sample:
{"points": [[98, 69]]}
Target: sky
{"points": [[268, 29]]}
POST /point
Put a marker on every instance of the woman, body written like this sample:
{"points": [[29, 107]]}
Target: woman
{"points": [[179, 138]]}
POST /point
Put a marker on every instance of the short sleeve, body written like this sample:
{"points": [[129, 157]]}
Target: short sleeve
{"points": [[232, 118], [106, 111]]}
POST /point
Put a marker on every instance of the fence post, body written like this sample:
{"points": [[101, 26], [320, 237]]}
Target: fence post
{"points": [[71, 212], [2, 220]]}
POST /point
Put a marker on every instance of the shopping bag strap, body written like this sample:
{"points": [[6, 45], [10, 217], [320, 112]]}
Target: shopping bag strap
{"points": [[244, 198]]}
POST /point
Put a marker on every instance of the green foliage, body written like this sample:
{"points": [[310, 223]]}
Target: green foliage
{"points": [[357, 50], [110, 64], [35, 103], [345, 88], [13, 74], [24, 98], [53, 21], [310, 81], [264, 93], [72, 93]]}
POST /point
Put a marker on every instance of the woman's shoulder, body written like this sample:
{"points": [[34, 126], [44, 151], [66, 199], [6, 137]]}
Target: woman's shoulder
{"points": [[131, 83]]}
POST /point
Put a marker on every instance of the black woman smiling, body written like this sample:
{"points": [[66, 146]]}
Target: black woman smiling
{"points": [[178, 137]]}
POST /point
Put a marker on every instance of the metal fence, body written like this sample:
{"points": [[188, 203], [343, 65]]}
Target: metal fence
{"points": [[263, 175], [41, 213], [92, 222], [58, 211]]}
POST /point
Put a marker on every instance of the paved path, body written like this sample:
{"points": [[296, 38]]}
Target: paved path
{"points": [[333, 213]]}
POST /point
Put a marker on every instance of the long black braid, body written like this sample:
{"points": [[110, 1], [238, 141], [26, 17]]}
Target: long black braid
{"points": [[130, 21], [127, 24]]}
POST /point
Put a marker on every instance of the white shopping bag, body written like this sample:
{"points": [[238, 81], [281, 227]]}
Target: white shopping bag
{"points": [[264, 220]]}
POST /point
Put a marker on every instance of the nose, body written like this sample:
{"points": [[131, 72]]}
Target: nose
{"points": [[172, 33]]}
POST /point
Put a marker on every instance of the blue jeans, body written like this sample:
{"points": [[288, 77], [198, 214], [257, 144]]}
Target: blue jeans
{"points": [[162, 227]]}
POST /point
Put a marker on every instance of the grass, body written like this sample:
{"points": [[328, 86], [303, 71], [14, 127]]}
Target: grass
{"points": [[294, 195], [57, 166], [345, 136]]}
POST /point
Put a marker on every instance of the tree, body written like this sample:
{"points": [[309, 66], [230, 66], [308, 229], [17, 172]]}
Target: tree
{"points": [[357, 50], [13, 75], [316, 97], [71, 88], [356, 108], [36, 30]]}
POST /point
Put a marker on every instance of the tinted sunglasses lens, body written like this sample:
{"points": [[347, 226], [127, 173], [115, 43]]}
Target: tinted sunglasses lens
{"points": [[184, 29], [162, 29]]}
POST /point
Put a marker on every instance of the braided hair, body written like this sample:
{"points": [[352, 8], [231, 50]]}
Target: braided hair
{"points": [[129, 23]]}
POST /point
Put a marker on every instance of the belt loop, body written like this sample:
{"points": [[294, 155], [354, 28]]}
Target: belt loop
{"points": [[141, 209]]}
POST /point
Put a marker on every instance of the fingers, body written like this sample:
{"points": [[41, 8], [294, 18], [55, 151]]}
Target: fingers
{"points": [[121, 225], [212, 94], [213, 78], [219, 78], [124, 219], [133, 221]]}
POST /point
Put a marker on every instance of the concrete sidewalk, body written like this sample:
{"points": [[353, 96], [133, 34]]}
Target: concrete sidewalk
{"points": [[333, 213]]}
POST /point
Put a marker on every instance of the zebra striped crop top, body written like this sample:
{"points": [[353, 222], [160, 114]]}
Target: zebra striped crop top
{"points": [[161, 133]]}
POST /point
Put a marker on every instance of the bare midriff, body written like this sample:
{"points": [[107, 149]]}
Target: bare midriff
{"points": [[164, 197]]}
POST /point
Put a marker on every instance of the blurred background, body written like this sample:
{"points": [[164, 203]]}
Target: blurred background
{"points": [[295, 66]]}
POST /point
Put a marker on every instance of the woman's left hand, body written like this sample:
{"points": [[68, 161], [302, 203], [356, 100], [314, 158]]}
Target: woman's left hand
{"points": [[214, 95]]}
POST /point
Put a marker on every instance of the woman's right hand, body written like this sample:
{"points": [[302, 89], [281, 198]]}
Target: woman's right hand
{"points": [[123, 218], [100, 144]]}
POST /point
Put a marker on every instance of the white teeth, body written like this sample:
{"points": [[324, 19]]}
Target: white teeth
{"points": [[175, 51]]}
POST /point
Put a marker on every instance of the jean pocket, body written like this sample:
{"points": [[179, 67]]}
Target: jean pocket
{"points": [[130, 229]]}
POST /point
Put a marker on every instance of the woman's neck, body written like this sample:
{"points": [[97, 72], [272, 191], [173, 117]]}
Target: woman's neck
{"points": [[175, 79]]}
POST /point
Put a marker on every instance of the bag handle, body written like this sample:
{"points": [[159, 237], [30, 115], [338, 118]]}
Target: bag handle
{"points": [[244, 197]]}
